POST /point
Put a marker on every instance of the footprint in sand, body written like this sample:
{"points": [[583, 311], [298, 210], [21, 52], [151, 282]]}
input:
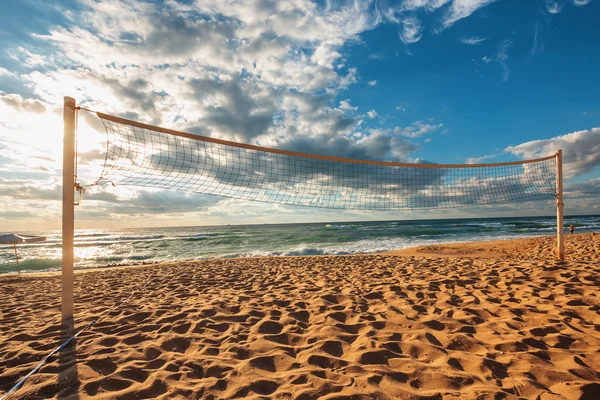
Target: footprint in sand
{"points": [[270, 328]]}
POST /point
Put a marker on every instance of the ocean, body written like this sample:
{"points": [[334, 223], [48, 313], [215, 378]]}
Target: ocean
{"points": [[107, 247]]}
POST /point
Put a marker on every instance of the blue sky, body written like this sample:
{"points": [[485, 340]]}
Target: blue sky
{"points": [[447, 81]]}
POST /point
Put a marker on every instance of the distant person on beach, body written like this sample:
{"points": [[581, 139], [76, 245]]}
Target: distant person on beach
{"points": [[571, 229]]}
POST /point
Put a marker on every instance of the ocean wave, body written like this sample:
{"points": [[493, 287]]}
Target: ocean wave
{"points": [[194, 235], [146, 237], [484, 225], [119, 239], [331, 226], [141, 246], [372, 246], [27, 245], [32, 264], [116, 260], [110, 259], [95, 242], [537, 230], [531, 225], [92, 235], [424, 232], [193, 239]]}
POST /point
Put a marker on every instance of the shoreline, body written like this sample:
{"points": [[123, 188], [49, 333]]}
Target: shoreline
{"points": [[470, 249]]}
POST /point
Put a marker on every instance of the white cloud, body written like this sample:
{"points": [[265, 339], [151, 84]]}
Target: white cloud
{"points": [[554, 7], [460, 9], [265, 72], [411, 30], [18, 103], [581, 150], [349, 79], [170, 65], [326, 55], [417, 129], [412, 27], [345, 105], [404, 13], [479, 160], [538, 41], [301, 54], [473, 40], [502, 58], [5, 72], [377, 56], [394, 13], [588, 189], [26, 58]]}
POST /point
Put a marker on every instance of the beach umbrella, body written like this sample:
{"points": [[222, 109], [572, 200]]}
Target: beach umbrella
{"points": [[13, 239]]}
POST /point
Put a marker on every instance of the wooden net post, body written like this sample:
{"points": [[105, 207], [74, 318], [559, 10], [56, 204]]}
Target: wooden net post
{"points": [[17, 257], [68, 208], [560, 230]]}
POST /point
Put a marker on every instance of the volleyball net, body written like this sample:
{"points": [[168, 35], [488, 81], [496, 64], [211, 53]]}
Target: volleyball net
{"points": [[144, 155]]}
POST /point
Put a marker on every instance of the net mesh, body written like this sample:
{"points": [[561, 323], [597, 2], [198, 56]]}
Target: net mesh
{"points": [[144, 155]]}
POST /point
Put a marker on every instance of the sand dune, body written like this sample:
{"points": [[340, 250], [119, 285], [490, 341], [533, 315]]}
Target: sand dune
{"points": [[511, 324]]}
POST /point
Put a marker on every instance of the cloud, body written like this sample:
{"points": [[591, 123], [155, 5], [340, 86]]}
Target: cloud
{"points": [[538, 40], [139, 201], [502, 58], [376, 56], [581, 150], [460, 9], [234, 108], [30, 190], [587, 189], [5, 72], [349, 79], [16, 215], [26, 58], [404, 14], [400, 108], [267, 39], [473, 40], [479, 160], [18, 103], [411, 30], [164, 202], [554, 7], [417, 129], [264, 72], [345, 105]]}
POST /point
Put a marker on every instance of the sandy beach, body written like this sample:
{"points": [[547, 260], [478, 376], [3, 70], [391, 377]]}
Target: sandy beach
{"points": [[493, 320]]}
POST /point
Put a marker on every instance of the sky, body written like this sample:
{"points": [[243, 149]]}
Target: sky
{"points": [[444, 81]]}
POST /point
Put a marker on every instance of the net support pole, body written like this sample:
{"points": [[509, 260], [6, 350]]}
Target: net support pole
{"points": [[560, 231], [68, 209], [17, 257]]}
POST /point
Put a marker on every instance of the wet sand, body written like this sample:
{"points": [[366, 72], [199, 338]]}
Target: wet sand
{"points": [[483, 320]]}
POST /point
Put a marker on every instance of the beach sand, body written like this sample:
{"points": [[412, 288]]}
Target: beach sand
{"points": [[495, 320]]}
